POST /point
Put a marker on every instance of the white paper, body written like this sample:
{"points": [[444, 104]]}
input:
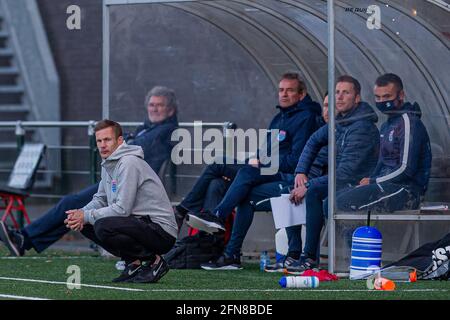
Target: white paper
{"points": [[285, 213], [436, 207]]}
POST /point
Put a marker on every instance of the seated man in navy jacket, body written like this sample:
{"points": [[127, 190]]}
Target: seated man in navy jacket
{"points": [[318, 168], [154, 136], [296, 121], [357, 145], [258, 201], [403, 170]]}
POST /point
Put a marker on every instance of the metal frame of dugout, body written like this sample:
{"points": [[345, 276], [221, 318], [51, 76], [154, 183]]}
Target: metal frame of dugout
{"points": [[409, 216], [21, 126]]}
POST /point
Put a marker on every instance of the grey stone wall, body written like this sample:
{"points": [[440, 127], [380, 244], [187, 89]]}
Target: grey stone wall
{"points": [[78, 58]]}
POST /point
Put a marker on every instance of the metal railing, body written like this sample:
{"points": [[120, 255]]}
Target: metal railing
{"points": [[21, 127]]}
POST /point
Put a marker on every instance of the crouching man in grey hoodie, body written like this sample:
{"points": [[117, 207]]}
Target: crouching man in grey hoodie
{"points": [[130, 215]]}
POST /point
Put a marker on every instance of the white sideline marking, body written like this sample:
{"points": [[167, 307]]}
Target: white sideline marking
{"points": [[20, 297], [284, 290], [65, 283], [49, 258], [217, 290]]}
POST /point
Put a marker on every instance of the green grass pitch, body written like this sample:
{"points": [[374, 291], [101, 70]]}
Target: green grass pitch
{"points": [[45, 276]]}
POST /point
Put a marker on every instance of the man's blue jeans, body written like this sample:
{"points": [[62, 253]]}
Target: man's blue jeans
{"points": [[243, 176], [49, 228], [208, 187], [246, 179]]}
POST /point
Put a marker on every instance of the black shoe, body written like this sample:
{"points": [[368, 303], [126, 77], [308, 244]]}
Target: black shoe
{"points": [[280, 266], [131, 270], [223, 263], [151, 273], [206, 221], [13, 240], [301, 266]]}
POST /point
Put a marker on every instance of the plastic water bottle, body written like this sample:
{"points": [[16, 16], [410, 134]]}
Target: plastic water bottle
{"points": [[120, 265], [299, 282], [264, 260]]}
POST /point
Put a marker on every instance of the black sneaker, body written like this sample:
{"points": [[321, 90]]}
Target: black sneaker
{"points": [[13, 240], [300, 266], [280, 266], [151, 273], [206, 221], [131, 270], [223, 263]]}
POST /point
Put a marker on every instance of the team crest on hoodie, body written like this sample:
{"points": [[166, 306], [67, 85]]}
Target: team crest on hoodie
{"points": [[114, 186], [281, 135]]}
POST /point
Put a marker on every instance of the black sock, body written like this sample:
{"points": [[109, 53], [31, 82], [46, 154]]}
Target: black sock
{"points": [[27, 244], [294, 255], [181, 210], [149, 260]]}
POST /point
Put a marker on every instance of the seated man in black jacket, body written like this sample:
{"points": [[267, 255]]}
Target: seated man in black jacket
{"points": [[154, 136], [357, 145]]}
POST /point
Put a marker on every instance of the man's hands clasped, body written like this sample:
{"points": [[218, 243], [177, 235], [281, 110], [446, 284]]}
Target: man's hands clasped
{"points": [[75, 219]]}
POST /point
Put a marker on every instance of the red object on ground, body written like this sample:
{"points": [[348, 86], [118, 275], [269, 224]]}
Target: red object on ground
{"points": [[323, 275]]}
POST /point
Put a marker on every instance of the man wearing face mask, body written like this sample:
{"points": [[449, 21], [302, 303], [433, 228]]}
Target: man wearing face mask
{"points": [[403, 170]]}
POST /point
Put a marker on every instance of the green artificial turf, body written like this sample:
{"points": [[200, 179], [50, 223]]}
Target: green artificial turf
{"points": [[247, 284]]}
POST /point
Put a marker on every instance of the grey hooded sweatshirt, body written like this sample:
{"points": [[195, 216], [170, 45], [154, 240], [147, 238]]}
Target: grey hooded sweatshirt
{"points": [[129, 186]]}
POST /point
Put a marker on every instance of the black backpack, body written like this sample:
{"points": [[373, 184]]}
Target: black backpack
{"points": [[191, 251], [431, 260]]}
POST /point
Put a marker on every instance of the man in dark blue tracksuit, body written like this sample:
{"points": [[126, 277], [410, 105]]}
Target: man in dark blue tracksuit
{"points": [[258, 200], [403, 170], [357, 145], [155, 139], [296, 121]]}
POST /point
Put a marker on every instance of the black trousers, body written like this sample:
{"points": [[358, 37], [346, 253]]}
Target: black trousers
{"points": [[385, 197], [131, 238]]}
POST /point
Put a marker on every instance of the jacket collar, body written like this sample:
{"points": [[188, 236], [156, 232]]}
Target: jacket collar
{"points": [[305, 104], [170, 120]]}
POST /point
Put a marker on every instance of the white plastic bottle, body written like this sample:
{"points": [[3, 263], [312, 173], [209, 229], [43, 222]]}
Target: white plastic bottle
{"points": [[299, 282], [120, 265]]}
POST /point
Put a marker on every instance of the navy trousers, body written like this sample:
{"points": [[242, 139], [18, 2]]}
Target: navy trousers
{"points": [[243, 178], [245, 213], [246, 179], [210, 187], [316, 211], [385, 197]]}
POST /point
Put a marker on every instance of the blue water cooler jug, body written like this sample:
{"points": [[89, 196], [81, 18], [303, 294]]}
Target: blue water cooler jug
{"points": [[366, 251]]}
